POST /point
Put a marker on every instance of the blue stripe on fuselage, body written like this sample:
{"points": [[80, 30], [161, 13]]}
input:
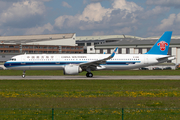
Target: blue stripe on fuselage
{"points": [[56, 63]]}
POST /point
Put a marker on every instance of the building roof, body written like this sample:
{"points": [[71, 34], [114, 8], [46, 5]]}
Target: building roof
{"points": [[34, 38], [108, 37], [104, 37], [131, 41]]}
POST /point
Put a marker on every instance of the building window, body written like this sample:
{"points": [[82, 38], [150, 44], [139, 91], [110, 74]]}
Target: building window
{"points": [[26, 51], [25, 47], [36, 47], [169, 51], [108, 50], [101, 50], [80, 44], [88, 44], [140, 50], [127, 51], [91, 49], [96, 43], [148, 49], [120, 50]]}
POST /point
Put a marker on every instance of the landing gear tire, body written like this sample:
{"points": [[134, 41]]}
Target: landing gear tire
{"points": [[89, 75], [23, 76]]}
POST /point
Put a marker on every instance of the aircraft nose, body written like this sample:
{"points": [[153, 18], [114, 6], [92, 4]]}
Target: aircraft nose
{"points": [[6, 64]]}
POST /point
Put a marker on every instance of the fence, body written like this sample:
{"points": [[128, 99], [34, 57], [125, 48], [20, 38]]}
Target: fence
{"points": [[89, 113]]}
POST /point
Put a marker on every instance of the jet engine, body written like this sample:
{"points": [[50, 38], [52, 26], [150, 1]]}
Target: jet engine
{"points": [[72, 70]]}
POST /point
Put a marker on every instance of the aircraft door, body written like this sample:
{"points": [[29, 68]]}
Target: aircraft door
{"points": [[146, 59], [57, 59], [23, 59], [23, 62]]}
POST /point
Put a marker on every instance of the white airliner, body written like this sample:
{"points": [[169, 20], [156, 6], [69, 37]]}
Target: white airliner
{"points": [[75, 63]]}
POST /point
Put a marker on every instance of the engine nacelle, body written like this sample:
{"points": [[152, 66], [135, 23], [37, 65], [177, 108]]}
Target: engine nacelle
{"points": [[72, 70]]}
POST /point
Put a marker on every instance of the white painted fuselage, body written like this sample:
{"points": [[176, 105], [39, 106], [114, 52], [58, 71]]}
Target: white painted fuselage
{"points": [[59, 61]]}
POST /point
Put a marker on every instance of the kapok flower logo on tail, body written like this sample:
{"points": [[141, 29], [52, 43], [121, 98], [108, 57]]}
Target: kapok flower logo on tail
{"points": [[162, 45]]}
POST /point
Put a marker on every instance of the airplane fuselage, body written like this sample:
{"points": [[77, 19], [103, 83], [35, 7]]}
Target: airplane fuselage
{"points": [[59, 61]]}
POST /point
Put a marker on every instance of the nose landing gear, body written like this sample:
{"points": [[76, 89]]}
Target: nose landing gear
{"points": [[24, 72]]}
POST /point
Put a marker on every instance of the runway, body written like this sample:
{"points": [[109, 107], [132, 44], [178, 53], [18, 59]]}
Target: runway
{"points": [[93, 78]]}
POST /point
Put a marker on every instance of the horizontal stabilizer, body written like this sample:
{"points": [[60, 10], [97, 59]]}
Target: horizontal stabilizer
{"points": [[166, 58]]}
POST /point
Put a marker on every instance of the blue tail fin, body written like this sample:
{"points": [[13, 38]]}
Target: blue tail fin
{"points": [[162, 45]]}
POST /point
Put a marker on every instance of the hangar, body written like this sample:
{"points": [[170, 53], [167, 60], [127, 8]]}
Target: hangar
{"points": [[38, 44]]}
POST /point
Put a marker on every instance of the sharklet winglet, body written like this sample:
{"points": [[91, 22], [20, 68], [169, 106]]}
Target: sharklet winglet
{"points": [[112, 55]]}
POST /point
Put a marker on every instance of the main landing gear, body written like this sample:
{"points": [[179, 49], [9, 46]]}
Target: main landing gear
{"points": [[24, 72], [89, 74]]}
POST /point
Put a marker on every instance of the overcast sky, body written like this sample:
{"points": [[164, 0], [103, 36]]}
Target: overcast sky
{"points": [[143, 18]]}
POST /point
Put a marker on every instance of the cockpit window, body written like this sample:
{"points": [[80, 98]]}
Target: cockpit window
{"points": [[12, 59]]}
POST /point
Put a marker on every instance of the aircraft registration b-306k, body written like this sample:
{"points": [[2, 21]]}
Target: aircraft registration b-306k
{"points": [[75, 63]]}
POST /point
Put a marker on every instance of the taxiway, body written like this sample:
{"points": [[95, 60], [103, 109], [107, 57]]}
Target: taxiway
{"points": [[93, 78]]}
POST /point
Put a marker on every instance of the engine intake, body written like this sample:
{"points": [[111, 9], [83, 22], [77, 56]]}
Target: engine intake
{"points": [[72, 70]]}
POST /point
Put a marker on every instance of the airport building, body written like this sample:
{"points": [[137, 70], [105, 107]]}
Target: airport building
{"points": [[38, 44]]}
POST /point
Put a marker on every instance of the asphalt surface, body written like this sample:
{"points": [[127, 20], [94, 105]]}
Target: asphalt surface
{"points": [[93, 78]]}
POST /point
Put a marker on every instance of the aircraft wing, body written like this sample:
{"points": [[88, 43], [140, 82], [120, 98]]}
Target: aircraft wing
{"points": [[92, 65]]}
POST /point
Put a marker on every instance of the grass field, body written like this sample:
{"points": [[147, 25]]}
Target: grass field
{"points": [[90, 99], [103, 72]]}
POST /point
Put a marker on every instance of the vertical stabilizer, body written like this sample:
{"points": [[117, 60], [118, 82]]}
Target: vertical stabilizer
{"points": [[162, 45]]}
